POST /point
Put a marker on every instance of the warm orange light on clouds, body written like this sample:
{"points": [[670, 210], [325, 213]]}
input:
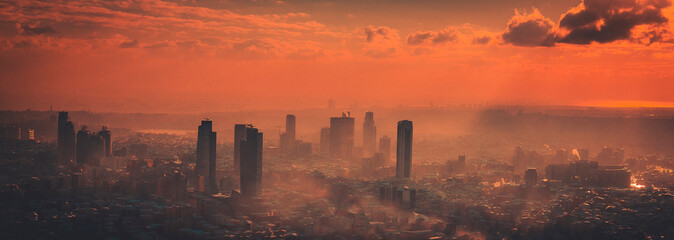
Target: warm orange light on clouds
{"points": [[194, 56]]}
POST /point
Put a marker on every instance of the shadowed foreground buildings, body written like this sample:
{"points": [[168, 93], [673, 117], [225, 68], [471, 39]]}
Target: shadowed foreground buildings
{"points": [[251, 163], [90, 148], [404, 150], [205, 162]]}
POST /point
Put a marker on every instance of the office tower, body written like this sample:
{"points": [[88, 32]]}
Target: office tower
{"points": [[341, 135], [107, 141], [239, 135], [66, 139], [385, 148], [251, 163], [369, 135], [404, 149], [290, 127], [530, 177], [89, 148], [325, 140], [205, 162], [287, 139]]}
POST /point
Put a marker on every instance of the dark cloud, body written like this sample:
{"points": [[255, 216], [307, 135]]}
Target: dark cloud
{"points": [[44, 30], [129, 44], [605, 21], [600, 21], [445, 36], [373, 33], [529, 30]]}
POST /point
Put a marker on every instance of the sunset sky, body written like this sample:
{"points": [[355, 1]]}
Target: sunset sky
{"points": [[223, 55]]}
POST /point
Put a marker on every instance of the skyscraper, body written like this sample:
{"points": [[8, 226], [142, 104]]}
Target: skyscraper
{"points": [[290, 127], [341, 135], [239, 135], [385, 148], [369, 134], [287, 139], [251, 163], [107, 141], [404, 149], [205, 163], [66, 139]]}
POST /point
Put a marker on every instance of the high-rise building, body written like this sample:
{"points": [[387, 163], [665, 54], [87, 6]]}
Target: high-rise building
{"points": [[290, 127], [251, 163], [66, 139], [404, 149], [369, 135], [90, 148], [341, 135], [385, 148], [239, 135], [530, 177], [325, 140], [205, 162], [287, 139], [107, 141]]}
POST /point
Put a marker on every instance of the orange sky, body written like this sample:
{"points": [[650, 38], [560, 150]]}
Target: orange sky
{"points": [[214, 55]]}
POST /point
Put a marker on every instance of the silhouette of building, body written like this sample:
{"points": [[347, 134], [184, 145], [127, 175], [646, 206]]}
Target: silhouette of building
{"points": [[205, 162], [66, 139], [341, 135], [404, 149], [287, 139], [107, 141], [530, 177], [369, 135], [251, 163], [239, 135], [290, 127], [89, 148], [325, 140], [385, 148]]}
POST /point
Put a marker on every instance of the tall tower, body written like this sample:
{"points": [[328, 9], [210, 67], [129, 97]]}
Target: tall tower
{"points": [[107, 141], [63, 156], [239, 135], [68, 143], [290, 127], [385, 148], [251, 163], [369, 134], [205, 163], [288, 138], [404, 149], [341, 135]]}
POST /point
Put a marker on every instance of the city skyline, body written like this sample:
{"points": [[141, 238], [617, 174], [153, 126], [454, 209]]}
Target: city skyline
{"points": [[337, 119]]}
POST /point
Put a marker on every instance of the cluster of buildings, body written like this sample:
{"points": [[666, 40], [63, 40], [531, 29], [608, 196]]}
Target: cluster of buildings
{"points": [[83, 148]]}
